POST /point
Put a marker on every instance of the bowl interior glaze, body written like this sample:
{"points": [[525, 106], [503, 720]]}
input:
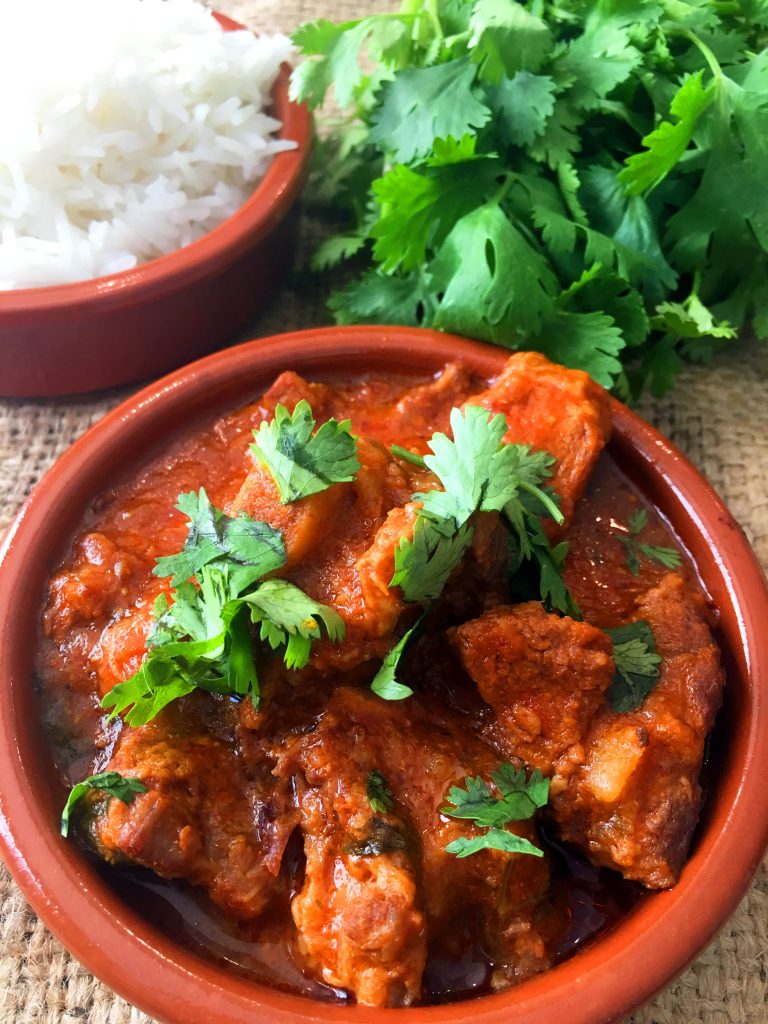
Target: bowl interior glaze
{"points": [[604, 982]]}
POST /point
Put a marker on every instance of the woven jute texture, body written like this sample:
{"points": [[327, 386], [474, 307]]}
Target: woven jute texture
{"points": [[719, 417]]}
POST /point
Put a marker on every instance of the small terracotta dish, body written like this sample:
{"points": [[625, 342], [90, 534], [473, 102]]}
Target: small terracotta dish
{"points": [[605, 981], [65, 339]]}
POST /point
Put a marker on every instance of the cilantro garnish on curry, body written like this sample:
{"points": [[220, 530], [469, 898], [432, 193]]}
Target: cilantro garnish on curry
{"points": [[361, 671]]}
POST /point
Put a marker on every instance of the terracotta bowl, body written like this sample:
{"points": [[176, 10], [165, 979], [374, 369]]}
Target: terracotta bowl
{"points": [[605, 981], [139, 323]]}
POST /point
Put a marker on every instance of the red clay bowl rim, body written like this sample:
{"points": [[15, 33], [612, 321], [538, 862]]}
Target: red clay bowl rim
{"points": [[274, 194], [602, 983]]}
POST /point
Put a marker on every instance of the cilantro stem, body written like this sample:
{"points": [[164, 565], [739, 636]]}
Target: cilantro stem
{"points": [[546, 501], [503, 188], [408, 456], [710, 58], [431, 7]]}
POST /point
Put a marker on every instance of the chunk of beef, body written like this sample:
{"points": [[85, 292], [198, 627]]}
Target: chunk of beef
{"points": [[632, 799], [202, 818], [394, 867], [122, 646], [303, 524], [482, 580], [360, 924], [550, 408], [545, 676], [428, 406], [289, 389]]}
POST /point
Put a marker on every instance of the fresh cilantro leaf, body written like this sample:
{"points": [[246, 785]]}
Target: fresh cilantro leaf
{"points": [[113, 783], [336, 250], [602, 289], [455, 151], [494, 839], [670, 558], [506, 38], [524, 104], [583, 341], [465, 465], [420, 208], [384, 683], [667, 143], [340, 49], [213, 536], [690, 319], [378, 793], [638, 521], [202, 638], [637, 665], [289, 616], [602, 56], [423, 104], [624, 231], [381, 298], [518, 799], [479, 473], [560, 139], [727, 217], [423, 565], [494, 285], [303, 463], [552, 588]]}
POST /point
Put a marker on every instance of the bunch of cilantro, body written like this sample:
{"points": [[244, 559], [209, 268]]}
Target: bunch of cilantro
{"points": [[583, 178]]}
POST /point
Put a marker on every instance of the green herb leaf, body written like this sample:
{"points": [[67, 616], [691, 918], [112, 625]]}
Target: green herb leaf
{"points": [[303, 463], [423, 565], [518, 799], [289, 616], [506, 38], [670, 558], [637, 665], [112, 783], [378, 793], [494, 839], [201, 640], [384, 683], [212, 536], [418, 209], [494, 284], [524, 104], [423, 104], [380, 298], [481, 474], [667, 143]]}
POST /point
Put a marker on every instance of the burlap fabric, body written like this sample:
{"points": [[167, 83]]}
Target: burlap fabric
{"points": [[719, 417]]}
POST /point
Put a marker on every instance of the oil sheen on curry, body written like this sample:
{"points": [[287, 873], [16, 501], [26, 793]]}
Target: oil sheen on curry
{"points": [[389, 691]]}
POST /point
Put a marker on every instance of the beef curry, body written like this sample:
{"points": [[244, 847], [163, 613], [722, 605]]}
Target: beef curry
{"points": [[446, 719]]}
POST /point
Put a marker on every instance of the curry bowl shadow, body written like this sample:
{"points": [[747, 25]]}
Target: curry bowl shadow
{"points": [[139, 323], [605, 981]]}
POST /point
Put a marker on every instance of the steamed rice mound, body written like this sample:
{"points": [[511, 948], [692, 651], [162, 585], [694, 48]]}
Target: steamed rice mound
{"points": [[129, 128]]}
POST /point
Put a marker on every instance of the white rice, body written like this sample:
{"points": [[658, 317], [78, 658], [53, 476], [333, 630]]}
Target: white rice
{"points": [[128, 128]]}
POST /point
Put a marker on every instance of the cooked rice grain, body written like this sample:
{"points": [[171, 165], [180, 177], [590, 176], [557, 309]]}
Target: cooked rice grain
{"points": [[128, 128]]}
